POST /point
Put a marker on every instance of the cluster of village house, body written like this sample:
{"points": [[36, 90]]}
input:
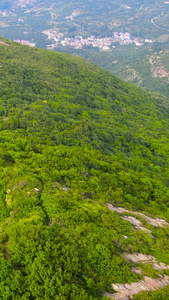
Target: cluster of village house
{"points": [[102, 43], [79, 42]]}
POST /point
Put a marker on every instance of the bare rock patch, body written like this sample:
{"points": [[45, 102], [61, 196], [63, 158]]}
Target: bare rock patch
{"points": [[139, 257], [154, 222], [127, 291]]}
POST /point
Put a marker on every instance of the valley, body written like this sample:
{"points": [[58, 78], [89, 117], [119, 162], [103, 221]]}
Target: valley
{"points": [[102, 32]]}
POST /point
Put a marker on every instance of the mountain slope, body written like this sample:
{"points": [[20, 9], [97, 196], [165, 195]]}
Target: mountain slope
{"points": [[72, 139]]}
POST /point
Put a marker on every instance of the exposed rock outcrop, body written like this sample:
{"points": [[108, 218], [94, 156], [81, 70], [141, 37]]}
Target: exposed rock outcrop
{"points": [[157, 67], [154, 222], [3, 43], [139, 257], [136, 223], [127, 291]]}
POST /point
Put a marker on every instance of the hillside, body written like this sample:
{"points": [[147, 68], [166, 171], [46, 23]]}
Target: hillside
{"points": [[83, 180]]}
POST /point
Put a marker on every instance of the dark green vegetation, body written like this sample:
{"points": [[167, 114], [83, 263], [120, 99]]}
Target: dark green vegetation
{"points": [[72, 139]]}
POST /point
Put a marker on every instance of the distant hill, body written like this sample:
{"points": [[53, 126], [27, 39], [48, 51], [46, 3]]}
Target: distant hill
{"points": [[96, 31], [75, 140]]}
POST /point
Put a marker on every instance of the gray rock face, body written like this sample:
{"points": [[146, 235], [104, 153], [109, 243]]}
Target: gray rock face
{"points": [[127, 291], [139, 257], [136, 223], [154, 222]]}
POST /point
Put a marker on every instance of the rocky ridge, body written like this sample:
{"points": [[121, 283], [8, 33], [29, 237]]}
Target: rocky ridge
{"points": [[127, 291], [154, 222]]}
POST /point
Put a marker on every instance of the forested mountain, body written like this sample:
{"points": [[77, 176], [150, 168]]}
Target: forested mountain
{"points": [[75, 140]]}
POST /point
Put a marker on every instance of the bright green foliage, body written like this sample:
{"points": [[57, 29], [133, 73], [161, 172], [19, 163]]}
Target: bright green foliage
{"points": [[72, 139]]}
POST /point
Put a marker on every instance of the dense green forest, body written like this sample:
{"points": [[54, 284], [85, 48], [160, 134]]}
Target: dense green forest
{"points": [[72, 139]]}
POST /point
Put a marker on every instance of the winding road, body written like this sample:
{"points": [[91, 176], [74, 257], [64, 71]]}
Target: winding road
{"points": [[152, 21]]}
